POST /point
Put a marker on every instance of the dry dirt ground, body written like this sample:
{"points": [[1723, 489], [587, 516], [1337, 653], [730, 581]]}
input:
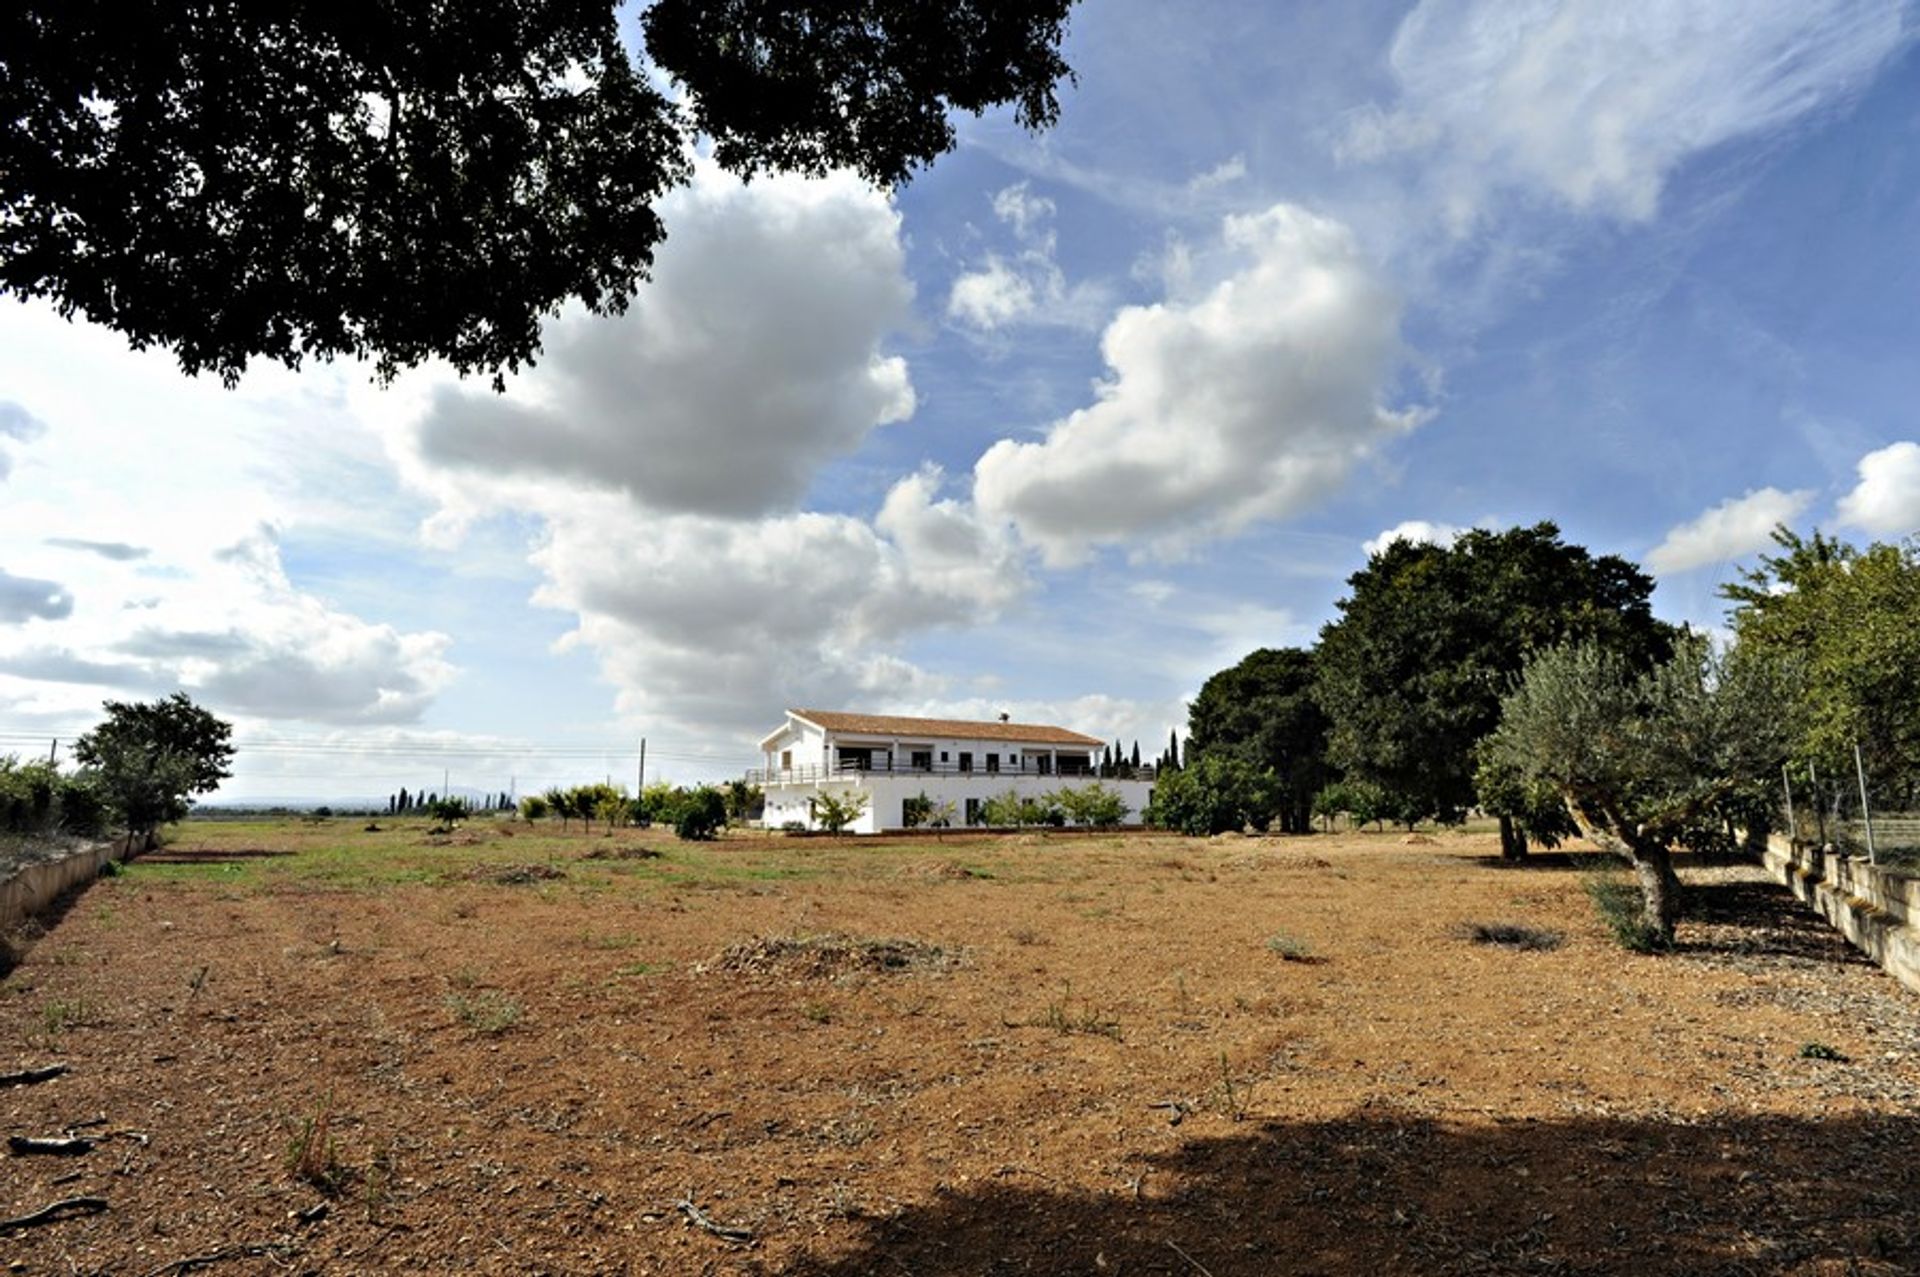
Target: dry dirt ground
{"points": [[391, 1052]]}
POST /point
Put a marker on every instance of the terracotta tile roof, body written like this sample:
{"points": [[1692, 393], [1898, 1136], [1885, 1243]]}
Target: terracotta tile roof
{"points": [[939, 728]]}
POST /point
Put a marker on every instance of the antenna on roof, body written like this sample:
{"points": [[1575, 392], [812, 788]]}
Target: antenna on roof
{"points": [[1005, 717]]}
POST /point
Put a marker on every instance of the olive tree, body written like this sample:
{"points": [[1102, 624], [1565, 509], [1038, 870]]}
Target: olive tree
{"points": [[1644, 759]]}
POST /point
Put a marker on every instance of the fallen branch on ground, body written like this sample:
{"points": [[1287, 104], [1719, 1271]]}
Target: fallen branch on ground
{"points": [[27, 1077], [699, 1219], [1189, 1258], [252, 1250], [68, 1146], [62, 1209]]}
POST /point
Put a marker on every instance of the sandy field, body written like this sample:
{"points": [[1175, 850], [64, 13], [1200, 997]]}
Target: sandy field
{"points": [[309, 1048]]}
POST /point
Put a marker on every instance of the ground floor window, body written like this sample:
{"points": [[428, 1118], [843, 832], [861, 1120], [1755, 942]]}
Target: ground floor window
{"points": [[973, 811]]}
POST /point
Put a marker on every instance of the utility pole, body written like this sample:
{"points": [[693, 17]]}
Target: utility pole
{"points": [[53, 751], [643, 768], [443, 783]]}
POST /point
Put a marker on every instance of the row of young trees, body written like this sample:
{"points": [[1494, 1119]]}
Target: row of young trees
{"points": [[1522, 675], [404, 803], [698, 812]]}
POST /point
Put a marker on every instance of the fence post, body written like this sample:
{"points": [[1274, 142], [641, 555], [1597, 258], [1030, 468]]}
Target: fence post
{"points": [[1866, 813], [1819, 809], [1793, 827]]}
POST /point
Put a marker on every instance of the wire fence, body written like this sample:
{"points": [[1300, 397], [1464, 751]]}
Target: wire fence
{"points": [[1847, 808]]}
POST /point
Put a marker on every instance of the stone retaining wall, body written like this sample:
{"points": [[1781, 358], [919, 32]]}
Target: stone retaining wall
{"points": [[33, 886], [1878, 911]]}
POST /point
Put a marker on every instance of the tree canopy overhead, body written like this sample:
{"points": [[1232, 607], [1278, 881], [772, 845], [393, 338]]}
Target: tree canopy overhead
{"points": [[402, 182]]}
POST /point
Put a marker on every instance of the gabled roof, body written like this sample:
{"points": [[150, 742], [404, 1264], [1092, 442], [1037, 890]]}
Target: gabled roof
{"points": [[943, 728]]}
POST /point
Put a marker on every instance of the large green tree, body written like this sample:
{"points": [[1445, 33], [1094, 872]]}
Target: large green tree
{"points": [[1849, 620], [231, 180], [1646, 759], [151, 757], [1412, 671], [1263, 712]]}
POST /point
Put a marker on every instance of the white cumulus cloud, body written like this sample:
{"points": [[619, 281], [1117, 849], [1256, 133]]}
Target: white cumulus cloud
{"points": [[1026, 284], [1413, 532], [708, 623], [754, 355], [1252, 401], [1886, 501], [1596, 102], [1735, 527]]}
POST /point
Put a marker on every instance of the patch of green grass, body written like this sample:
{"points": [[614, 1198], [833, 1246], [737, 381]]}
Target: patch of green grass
{"points": [[643, 968], [491, 1013], [61, 1014], [1511, 935], [312, 1156], [1061, 1017]]}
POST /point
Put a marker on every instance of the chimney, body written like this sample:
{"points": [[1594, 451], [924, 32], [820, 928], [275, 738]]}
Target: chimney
{"points": [[1005, 717]]}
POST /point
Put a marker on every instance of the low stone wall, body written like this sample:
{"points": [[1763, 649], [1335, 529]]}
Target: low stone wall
{"points": [[1878, 911], [32, 886]]}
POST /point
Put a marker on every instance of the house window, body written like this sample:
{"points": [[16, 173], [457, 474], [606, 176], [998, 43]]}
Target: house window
{"points": [[922, 760], [993, 764], [1045, 762], [786, 760], [973, 811], [966, 760], [943, 755]]}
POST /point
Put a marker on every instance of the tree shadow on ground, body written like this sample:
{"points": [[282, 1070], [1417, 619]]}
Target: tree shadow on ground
{"points": [[1761, 919], [1385, 1193], [1558, 861]]}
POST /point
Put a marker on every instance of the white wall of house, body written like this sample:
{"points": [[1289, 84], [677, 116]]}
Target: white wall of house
{"points": [[887, 796], [802, 761]]}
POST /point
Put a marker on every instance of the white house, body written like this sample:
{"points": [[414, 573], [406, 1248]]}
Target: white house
{"points": [[895, 762]]}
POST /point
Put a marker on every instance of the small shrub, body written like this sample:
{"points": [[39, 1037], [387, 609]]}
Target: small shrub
{"points": [[1291, 948], [1512, 935], [1622, 908], [491, 1013], [699, 814], [834, 812], [1821, 1051]]}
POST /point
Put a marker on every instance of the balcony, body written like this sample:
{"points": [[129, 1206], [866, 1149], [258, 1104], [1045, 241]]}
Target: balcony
{"points": [[814, 774]]}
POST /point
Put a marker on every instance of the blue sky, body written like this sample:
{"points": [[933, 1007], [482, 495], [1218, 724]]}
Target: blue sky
{"points": [[1060, 428]]}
